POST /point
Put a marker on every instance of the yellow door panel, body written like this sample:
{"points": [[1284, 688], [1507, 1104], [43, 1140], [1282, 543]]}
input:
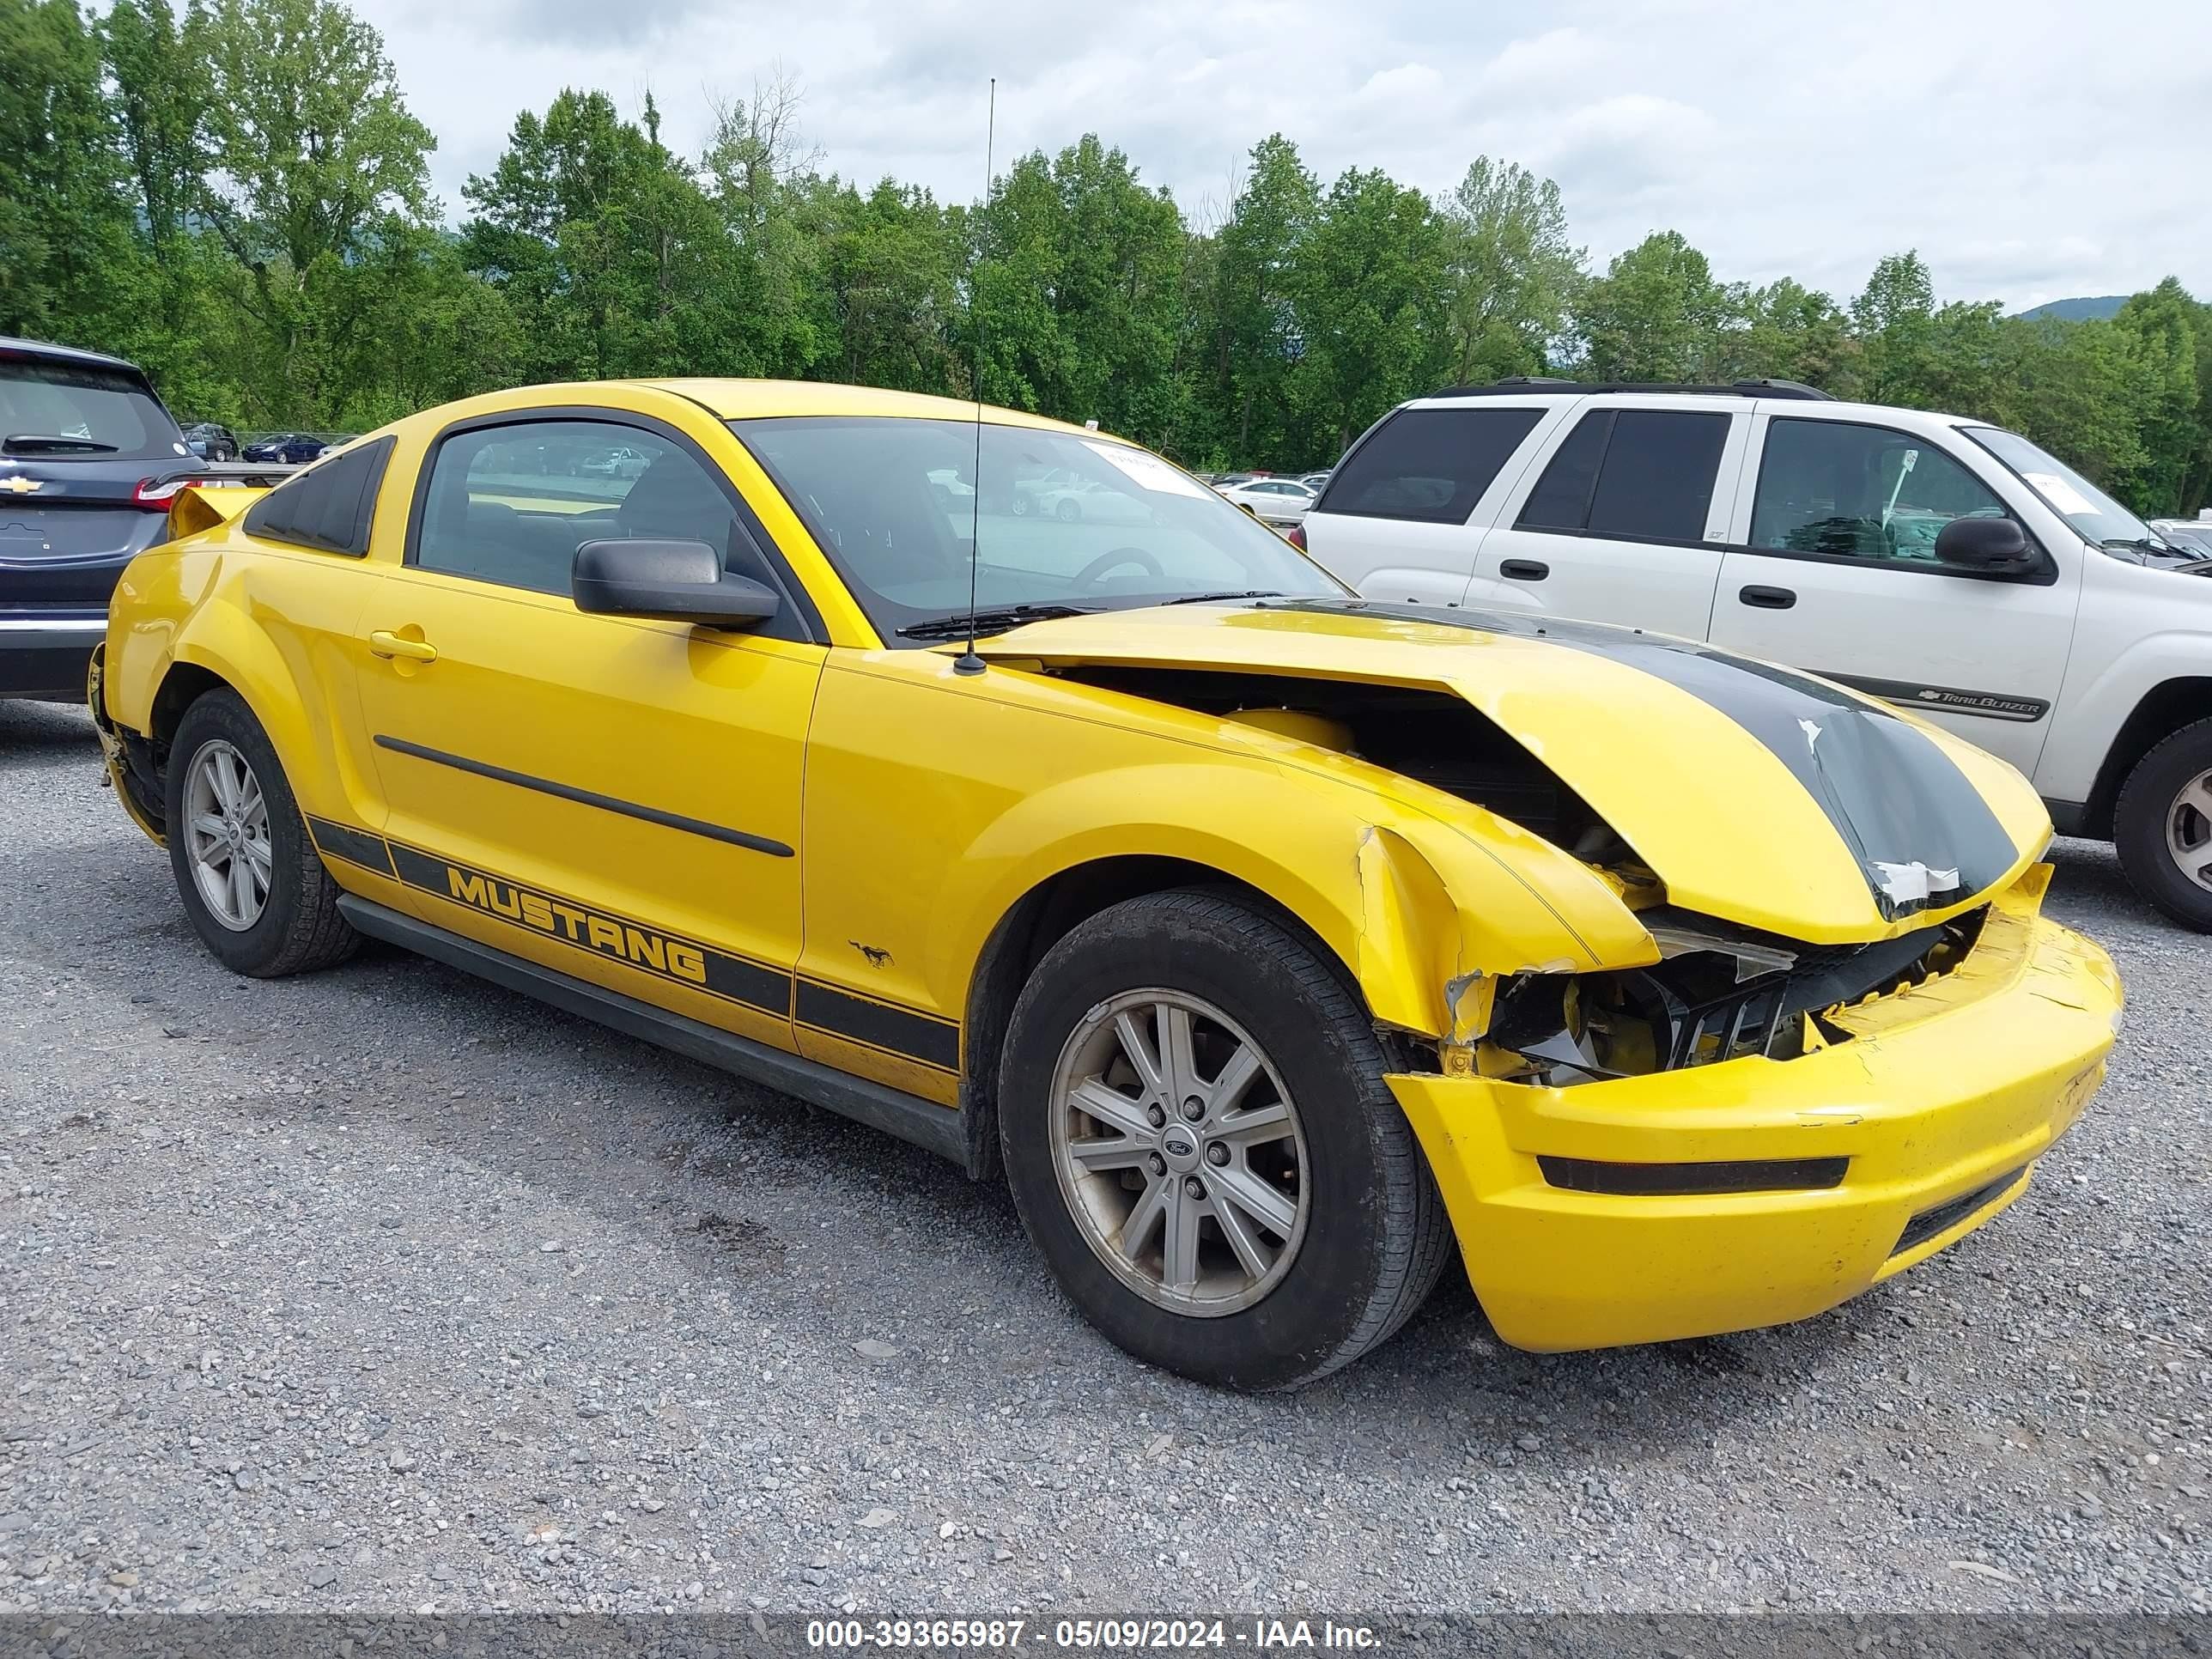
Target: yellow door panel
{"points": [[645, 769]]}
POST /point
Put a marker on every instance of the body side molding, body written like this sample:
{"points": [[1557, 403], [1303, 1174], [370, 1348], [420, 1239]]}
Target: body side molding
{"points": [[586, 797], [924, 1123]]}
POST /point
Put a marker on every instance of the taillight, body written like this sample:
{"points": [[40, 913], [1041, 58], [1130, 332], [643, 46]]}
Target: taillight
{"points": [[160, 494], [1296, 536]]}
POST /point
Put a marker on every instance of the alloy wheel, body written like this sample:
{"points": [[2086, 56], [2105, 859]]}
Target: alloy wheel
{"points": [[226, 834], [2188, 830], [1179, 1152]]}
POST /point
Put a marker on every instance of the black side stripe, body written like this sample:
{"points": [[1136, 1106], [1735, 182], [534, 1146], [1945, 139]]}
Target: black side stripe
{"points": [[588, 798], [354, 846], [686, 962], [920, 1036], [909, 1033], [1893, 798]]}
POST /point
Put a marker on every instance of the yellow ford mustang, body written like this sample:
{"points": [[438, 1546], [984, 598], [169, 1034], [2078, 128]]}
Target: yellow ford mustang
{"points": [[1267, 940]]}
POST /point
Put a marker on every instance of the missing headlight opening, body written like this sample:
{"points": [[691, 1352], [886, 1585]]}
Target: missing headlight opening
{"points": [[1721, 993]]}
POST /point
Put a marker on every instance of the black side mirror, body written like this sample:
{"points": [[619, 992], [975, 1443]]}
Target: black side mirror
{"points": [[672, 581], [1993, 546]]}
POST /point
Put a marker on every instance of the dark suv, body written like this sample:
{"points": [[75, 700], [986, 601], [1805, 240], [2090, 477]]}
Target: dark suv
{"points": [[85, 448]]}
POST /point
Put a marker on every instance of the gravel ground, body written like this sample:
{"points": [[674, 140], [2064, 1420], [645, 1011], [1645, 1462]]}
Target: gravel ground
{"points": [[383, 1289]]}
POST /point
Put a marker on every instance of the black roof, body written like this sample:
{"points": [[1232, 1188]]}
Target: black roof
{"points": [[11, 347], [1527, 383]]}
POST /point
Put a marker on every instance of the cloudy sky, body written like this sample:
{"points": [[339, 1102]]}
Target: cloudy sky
{"points": [[2029, 150]]}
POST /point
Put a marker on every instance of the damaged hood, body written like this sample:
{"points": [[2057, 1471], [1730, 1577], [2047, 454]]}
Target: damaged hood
{"points": [[1756, 794]]}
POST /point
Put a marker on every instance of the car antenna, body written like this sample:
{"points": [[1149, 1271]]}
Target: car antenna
{"points": [[968, 662]]}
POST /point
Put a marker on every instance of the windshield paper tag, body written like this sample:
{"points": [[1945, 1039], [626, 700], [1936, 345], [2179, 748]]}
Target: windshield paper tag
{"points": [[1149, 470], [2061, 494]]}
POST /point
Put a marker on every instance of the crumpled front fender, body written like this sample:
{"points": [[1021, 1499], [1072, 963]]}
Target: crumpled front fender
{"points": [[1444, 916]]}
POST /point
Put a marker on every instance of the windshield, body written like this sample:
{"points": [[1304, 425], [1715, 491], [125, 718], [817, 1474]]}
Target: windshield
{"points": [[106, 412], [1062, 520], [2095, 515]]}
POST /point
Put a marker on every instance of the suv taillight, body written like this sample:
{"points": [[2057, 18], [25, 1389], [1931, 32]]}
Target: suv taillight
{"points": [[160, 494], [1296, 536]]}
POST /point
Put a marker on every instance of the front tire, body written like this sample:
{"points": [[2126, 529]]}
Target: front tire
{"points": [[1200, 1141], [252, 884], [2162, 826]]}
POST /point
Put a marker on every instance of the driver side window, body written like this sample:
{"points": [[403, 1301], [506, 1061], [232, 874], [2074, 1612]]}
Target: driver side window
{"points": [[511, 504], [1861, 492]]}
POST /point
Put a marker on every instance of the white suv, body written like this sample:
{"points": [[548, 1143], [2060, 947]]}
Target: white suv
{"points": [[1944, 564]]}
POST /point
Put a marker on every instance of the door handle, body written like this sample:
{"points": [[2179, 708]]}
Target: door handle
{"points": [[1524, 570], [384, 643], [1769, 598]]}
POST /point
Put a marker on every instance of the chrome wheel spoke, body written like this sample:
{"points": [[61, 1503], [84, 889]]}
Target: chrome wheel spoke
{"points": [[1179, 1072], [1139, 1049], [1236, 1076], [1137, 1229], [1111, 1108], [1273, 1209], [209, 826], [257, 855], [1254, 1255], [226, 783], [1254, 1124], [243, 902], [1179, 1255], [1109, 1151]]}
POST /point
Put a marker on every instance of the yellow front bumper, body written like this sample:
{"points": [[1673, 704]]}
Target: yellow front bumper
{"points": [[1944, 1088]]}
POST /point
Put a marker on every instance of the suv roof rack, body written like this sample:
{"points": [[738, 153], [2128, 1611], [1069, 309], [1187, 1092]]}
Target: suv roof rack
{"points": [[1548, 383]]}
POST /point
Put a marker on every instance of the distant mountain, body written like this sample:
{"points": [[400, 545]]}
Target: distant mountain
{"points": [[2080, 311]]}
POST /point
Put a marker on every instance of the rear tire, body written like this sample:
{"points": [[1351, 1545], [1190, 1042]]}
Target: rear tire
{"points": [[261, 900], [2162, 826], [1344, 1235]]}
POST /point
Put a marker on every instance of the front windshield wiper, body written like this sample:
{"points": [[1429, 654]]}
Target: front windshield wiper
{"points": [[41, 443], [2145, 544], [1211, 598], [956, 625]]}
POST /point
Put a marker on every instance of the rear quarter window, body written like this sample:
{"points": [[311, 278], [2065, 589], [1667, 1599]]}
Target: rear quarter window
{"points": [[1427, 464], [329, 507]]}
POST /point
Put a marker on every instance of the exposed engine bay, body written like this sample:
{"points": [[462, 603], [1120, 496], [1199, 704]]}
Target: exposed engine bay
{"points": [[1431, 737], [1720, 991], [1717, 994]]}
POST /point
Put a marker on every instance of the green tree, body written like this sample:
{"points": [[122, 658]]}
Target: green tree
{"points": [[1893, 319], [1075, 289], [2169, 336], [1657, 314], [892, 262], [1511, 269], [313, 163], [1253, 267], [609, 253], [67, 270], [160, 89], [1784, 331], [1370, 304]]}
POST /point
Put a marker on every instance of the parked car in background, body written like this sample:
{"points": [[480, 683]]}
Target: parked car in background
{"points": [[620, 461], [294, 448], [1277, 500], [1947, 565], [1316, 480], [211, 442], [2190, 535], [84, 442]]}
